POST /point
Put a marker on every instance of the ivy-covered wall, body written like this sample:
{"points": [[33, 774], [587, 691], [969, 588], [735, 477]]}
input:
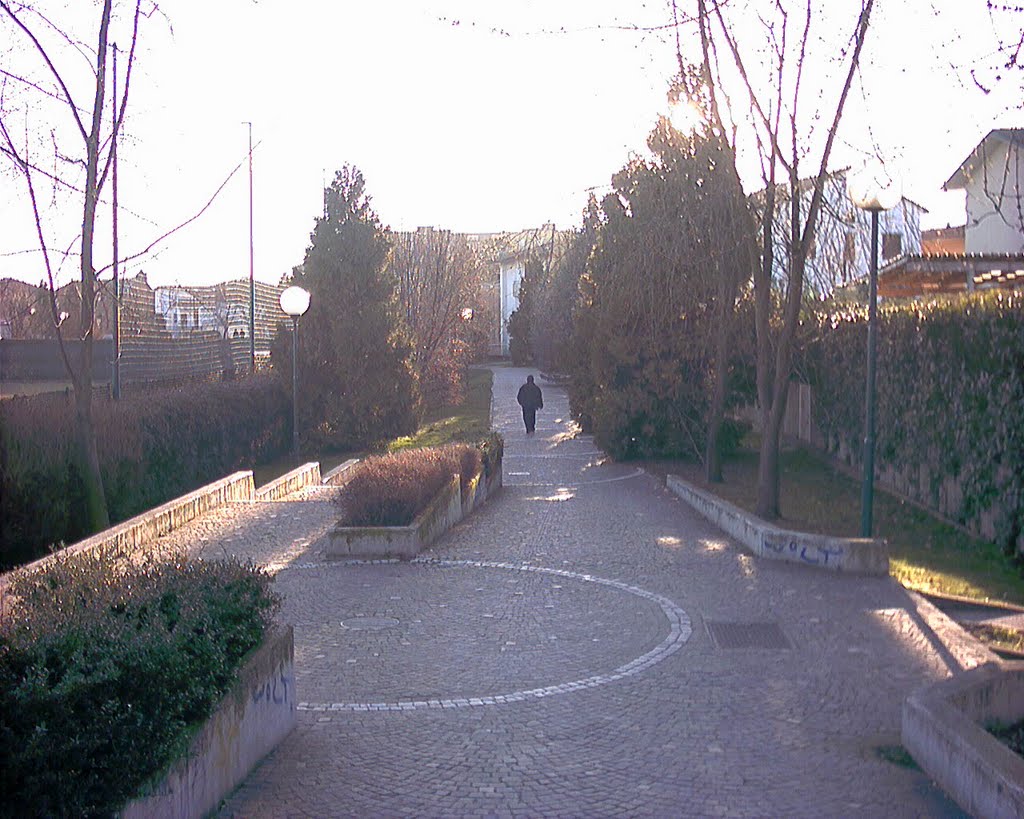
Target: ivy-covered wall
{"points": [[950, 404]]}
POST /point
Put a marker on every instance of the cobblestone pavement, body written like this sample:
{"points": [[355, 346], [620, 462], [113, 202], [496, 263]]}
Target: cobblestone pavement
{"points": [[582, 645]]}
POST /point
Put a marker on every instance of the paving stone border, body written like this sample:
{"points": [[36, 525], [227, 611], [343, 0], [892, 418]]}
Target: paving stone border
{"points": [[679, 631]]}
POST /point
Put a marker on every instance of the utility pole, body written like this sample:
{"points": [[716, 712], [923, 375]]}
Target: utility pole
{"points": [[252, 271], [115, 379]]}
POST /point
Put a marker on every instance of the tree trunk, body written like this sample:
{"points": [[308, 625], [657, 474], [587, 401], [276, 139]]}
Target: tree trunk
{"points": [[88, 463], [719, 376], [88, 457]]}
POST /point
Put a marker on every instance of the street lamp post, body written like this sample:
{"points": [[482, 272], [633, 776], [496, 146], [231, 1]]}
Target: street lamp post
{"points": [[873, 190], [295, 302]]}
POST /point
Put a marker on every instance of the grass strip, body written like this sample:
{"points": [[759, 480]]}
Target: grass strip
{"points": [[465, 422]]}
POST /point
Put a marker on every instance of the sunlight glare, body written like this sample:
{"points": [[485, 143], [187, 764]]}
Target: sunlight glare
{"points": [[684, 116]]}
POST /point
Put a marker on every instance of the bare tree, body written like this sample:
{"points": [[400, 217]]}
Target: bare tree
{"points": [[50, 80], [772, 79], [439, 277]]}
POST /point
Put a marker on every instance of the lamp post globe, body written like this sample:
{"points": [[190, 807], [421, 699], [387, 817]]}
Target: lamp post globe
{"points": [[873, 189], [295, 302]]}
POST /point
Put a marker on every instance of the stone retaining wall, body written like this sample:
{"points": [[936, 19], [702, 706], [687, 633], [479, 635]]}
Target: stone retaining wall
{"points": [[860, 555], [150, 526], [944, 730], [299, 478]]}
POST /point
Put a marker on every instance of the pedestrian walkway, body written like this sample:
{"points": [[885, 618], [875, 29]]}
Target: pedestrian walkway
{"points": [[582, 645]]}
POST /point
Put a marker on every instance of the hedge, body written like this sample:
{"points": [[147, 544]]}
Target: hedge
{"points": [[391, 490], [152, 447], [950, 404], [107, 669]]}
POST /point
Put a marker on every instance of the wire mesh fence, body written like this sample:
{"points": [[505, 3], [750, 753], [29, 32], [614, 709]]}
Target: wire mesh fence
{"points": [[161, 335]]}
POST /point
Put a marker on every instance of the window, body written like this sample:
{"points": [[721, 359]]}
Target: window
{"points": [[850, 248], [892, 245]]}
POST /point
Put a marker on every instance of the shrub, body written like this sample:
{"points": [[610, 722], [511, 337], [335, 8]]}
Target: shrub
{"points": [[152, 448], [108, 667], [391, 490]]}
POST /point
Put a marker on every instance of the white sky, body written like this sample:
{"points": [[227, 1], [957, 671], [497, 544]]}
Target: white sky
{"points": [[500, 122]]}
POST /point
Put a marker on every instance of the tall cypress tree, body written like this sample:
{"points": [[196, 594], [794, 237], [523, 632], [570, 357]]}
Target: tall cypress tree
{"points": [[358, 384]]}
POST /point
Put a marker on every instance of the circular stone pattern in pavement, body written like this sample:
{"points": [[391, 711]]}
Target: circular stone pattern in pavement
{"points": [[462, 633]]}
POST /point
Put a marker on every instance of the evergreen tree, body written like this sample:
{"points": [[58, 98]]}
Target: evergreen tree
{"points": [[644, 326], [358, 385], [521, 322]]}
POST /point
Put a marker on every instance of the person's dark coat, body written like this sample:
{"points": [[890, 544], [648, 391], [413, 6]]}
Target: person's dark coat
{"points": [[529, 396]]}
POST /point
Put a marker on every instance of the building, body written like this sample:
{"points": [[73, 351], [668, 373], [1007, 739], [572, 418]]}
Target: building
{"points": [[988, 251], [221, 308], [991, 180], [840, 252], [505, 256], [514, 252], [942, 240]]}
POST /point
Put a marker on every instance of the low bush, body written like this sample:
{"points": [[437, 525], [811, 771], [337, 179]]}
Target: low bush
{"points": [[391, 490], [107, 668], [152, 447]]}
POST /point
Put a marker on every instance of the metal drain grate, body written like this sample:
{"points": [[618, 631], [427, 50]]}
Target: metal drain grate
{"points": [[748, 635]]}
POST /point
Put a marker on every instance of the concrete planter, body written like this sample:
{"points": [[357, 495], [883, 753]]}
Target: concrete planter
{"points": [[943, 729], [859, 555], [449, 507], [369, 542], [493, 481], [255, 716]]}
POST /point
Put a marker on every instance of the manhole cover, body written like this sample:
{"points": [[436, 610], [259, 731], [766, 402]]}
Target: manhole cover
{"points": [[369, 623], [748, 635]]}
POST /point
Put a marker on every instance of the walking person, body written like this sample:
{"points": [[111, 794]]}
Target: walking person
{"points": [[531, 400]]}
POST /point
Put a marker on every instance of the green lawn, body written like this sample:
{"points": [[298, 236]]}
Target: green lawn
{"points": [[926, 554], [469, 421]]}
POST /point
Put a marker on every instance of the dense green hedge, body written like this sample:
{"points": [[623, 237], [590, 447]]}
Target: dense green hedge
{"points": [[152, 446], [108, 667], [950, 406]]}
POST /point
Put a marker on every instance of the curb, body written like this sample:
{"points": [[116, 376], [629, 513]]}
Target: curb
{"points": [[868, 556]]}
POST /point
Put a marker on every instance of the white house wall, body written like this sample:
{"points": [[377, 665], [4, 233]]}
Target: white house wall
{"points": [[995, 223], [511, 276], [831, 263]]}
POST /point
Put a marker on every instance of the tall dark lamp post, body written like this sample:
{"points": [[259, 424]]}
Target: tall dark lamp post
{"points": [[295, 302], [873, 190]]}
